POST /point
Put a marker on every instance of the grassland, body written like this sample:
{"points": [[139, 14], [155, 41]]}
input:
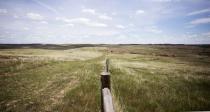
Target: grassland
{"points": [[145, 78]]}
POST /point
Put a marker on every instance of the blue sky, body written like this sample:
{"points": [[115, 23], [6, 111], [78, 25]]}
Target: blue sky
{"points": [[105, 21]]}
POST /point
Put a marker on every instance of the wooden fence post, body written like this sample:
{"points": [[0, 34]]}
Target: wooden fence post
{"points": [[105, 83], [107, 65], [106, 97], [105, 80], [107, 100]]}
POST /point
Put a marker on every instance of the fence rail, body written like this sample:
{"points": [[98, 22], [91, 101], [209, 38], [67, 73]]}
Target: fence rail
{"points": [[106, 97]]}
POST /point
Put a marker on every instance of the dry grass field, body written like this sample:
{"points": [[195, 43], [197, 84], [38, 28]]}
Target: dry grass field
{"points": [[66, 78]]}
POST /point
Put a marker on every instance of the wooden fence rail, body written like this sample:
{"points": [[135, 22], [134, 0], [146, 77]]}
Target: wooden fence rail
{"points": [[107, 100], [106, 97]]}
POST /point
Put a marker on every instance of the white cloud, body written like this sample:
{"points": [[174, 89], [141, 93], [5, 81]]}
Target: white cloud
{"points": [[16, 16], [44, 22], [131, 25], [105, 22], [25, 28], [100, 15], [79, 20], [34, 16], [105, 17], [82, 21], [114, 13], [96, 24], [70, 25], [120, 26], [199, 12], [200, 21], [3, 11], [63, 19], [90, 11], [140, 11], [153, 29], [207, 34], [87, 22]]}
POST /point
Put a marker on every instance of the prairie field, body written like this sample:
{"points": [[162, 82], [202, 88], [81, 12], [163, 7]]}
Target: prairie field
{"points": [[66, 78]]}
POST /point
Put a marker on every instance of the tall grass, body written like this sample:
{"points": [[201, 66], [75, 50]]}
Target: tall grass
{"points": [[144, 78], [50, 85], [151, 83]]}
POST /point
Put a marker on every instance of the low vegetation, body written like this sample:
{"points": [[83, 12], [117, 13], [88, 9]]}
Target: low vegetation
{"points": [[66, 78]]}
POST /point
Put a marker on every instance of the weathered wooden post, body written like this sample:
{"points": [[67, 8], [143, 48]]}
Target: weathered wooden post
{"points": [[105, 80], [105, 83], [106, 97], [107, 65]]}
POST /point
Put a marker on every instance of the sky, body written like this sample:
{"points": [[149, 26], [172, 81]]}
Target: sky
{"points": [[105, 21]]}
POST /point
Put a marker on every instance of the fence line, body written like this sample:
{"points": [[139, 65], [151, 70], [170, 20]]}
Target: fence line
{"points": [[106, 97]]}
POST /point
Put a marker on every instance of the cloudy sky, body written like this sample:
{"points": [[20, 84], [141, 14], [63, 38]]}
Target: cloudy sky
{"points": [[105, 21]]}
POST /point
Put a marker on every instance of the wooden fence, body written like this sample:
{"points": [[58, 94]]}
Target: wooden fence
{"points": [[106, 97]]}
